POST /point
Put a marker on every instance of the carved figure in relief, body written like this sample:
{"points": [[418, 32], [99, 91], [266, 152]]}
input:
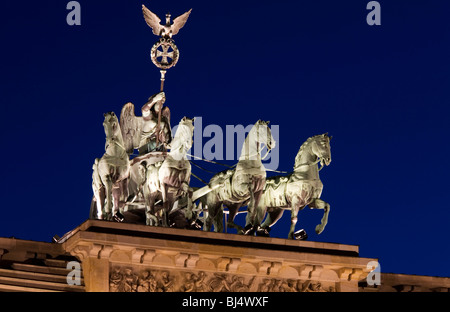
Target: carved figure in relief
{"points": [[277, 286], [189, 283], [115, 279], [310, 286], [265, 286], [199, 283], [219, 283], [238, 285], [289, 286], [166, 283], [129, 281], [146, 282]]}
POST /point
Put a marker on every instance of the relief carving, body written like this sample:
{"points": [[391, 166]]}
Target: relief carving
{"points": [[127, 279], [229, 283], [290, 285]]}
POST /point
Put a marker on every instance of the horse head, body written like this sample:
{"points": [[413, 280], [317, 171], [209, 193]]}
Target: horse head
{"points": [[111, 125], [264, 134], [321, 148], [182, 140], [260, 134]]}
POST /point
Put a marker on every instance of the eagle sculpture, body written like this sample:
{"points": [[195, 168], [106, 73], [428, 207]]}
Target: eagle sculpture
{"points": [[169, 29]]}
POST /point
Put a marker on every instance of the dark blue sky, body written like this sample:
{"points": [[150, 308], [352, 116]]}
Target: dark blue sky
{"points": [[308, 66]]}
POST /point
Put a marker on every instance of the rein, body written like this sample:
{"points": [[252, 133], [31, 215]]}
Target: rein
{"points": [[319, 159], [116, 142], [259, 152], [311, 164], [210, 161], [228, 166]]}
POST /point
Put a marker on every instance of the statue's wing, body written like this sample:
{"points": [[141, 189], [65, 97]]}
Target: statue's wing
{"points": [[130, 126], [152, 20], [179, 22]]}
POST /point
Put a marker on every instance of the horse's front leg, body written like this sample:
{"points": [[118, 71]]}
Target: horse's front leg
{"points": [[296, 205], [189, 214], [123, 195], [320, 204], [233, 209], [256, 191], [150, 218], [108, 194], [252, 221], [116, 200], [166, 204], [214, 217], [99, 194], [273, 215], [186, 192], [258, 210]]}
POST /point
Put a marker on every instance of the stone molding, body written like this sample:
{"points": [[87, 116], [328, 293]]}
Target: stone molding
{"points": [[182, 260], [123, 260]]}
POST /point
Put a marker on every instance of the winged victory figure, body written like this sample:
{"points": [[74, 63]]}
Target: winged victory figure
{"points": [[169, 29], [144, 133]]}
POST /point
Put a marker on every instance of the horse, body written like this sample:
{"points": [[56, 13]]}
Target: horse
{"points": [[111, 172], [170, 179], [240, 186], [297, 190]]}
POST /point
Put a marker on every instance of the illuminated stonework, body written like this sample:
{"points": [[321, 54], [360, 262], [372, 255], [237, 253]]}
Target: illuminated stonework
{"points": [[126, 257], [118, 257]]}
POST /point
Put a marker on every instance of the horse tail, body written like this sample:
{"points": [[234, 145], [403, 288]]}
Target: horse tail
{"points": [[95, 174], [96, 184], [93, 210]]}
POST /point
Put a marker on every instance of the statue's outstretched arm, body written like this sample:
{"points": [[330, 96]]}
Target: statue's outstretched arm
{"points": [[159, 97]]}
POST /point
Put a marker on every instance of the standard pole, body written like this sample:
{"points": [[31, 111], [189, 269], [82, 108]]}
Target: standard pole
{"points": [[163, 78]]}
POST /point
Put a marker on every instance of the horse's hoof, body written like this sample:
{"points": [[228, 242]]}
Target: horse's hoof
{"points": [[264, 232], [118, 217], [249, 229], [319, 228], [196, 225], [300, 235]]}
